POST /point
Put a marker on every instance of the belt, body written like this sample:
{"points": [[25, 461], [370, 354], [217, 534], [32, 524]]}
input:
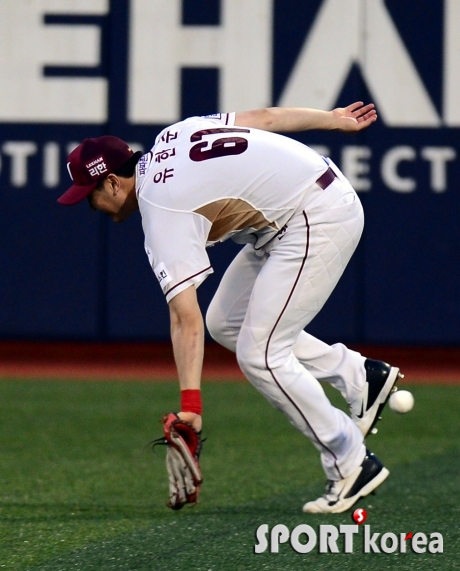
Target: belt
{"points": [[326, 179]]}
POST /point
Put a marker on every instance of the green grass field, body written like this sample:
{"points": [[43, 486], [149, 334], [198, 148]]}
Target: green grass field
{"points": [[79, 488]]}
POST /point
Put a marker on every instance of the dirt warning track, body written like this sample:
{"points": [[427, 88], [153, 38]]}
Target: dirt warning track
{"points": [[154, 361]]}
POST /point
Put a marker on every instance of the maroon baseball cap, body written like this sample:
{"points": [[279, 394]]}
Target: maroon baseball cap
{"points": [[92, 161]]}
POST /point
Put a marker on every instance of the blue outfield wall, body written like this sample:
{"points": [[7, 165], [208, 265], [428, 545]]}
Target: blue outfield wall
{"points": [[129, 68]]}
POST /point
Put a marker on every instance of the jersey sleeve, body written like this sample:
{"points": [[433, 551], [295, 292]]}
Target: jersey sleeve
{"points": [[175, 243], [224, 118]]}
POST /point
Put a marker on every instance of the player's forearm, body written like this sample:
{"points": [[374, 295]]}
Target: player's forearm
{"points": [[187, 335], [351, 119], [287, 119], [188, 346]]}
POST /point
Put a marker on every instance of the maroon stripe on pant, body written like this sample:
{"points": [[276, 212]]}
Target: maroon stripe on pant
{"points": [[307, 246]]}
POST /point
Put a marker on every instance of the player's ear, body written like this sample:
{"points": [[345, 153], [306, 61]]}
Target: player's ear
{"points": [[114, 184]]}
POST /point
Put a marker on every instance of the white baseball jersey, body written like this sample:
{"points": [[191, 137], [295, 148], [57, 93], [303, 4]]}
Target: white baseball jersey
{"points": [[206, 180]]}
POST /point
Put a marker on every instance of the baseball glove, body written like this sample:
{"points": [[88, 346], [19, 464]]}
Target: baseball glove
{"points": [[182, 460]]}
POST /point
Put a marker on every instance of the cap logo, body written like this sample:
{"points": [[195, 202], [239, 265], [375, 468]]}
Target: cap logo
{"points": [[70, 173], [97, 167]]}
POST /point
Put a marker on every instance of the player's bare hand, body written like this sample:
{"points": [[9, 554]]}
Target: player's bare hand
{"points": [[193, 418], [354, 117]]}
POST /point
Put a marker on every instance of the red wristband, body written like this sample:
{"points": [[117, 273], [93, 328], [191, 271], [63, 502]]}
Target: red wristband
{"points": [[191, 401]]}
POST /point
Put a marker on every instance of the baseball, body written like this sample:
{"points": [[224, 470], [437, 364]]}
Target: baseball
{"points": [[401, 401]]}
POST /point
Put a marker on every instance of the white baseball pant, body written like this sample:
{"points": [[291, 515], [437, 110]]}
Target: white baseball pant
{"points": [[265, 300]]}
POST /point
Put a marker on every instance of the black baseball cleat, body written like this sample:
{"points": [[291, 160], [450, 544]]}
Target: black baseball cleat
{"points": [[381, 381], [343, 494]]}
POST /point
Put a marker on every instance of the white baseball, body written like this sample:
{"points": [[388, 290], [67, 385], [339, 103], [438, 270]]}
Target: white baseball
{"points": [[401, 401]]}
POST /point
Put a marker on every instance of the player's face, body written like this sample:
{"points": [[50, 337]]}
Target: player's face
{"points": [[116, 198]]}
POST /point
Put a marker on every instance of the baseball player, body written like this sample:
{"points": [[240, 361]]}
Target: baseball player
{"points": [[232, 175]]}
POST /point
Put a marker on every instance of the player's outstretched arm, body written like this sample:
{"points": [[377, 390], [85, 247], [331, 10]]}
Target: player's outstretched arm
{"points": [[350, 119], [181, 431], [187, 336]]}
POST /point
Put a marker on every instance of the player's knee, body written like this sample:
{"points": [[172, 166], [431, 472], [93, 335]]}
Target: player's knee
{"points": [[255, 354], [213, 323], [250, 365], [249, 357], [219, 328]]}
